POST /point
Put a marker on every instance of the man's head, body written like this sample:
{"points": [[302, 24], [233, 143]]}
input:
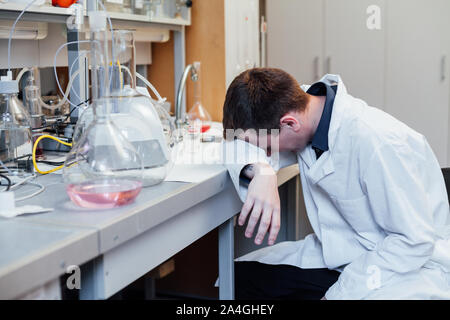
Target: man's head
{"points": [[270, 99]]}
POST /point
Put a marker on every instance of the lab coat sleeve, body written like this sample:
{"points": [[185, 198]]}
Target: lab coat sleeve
{"points": [[394, 183], [238, 153]]}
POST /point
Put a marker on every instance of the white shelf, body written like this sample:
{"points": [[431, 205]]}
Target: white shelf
{"points": [[142, 18], [36, 9], [56, 14]]}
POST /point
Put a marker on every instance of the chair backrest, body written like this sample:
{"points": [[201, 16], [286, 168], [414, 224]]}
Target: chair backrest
{"points": [[446, 173]]}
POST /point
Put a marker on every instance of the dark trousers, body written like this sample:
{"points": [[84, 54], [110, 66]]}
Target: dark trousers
{"points": [[254, 280]]}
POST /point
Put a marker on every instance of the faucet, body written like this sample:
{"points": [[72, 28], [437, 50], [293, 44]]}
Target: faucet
{"points": [[194, 77]]}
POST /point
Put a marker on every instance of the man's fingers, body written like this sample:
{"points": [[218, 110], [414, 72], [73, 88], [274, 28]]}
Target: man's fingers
{"points": [[253, 220], [248, 205], [274, 227], [264, 225]]}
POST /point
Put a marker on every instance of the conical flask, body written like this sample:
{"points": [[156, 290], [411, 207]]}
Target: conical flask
{"points": [[103, 170], [198, 116], [147, 126]]}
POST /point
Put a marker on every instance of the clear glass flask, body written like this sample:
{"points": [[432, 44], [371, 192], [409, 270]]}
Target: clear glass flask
{"points": [[147, 126], [15, 132], [37, 118], [103, 169], [198, 115]]}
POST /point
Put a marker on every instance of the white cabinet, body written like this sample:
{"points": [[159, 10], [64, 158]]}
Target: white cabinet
{"points": [[241, 36], [354, 51], [417, 85], [401, 66], [311, 38], [295, 38]]}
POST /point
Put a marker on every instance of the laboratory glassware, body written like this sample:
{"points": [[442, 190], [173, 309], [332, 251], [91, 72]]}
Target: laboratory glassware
{"points": [[34, 107], [179, 4], [15, 131], [139, 7], [147, 126], [154, 8], [198, 114], [103, 169], [122, 6]]}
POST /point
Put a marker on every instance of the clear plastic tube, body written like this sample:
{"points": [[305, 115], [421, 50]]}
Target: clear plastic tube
{"points": [[70, 71], [21, 73], [66, 94], [129, 73], [5, 167], [56, 54], [149, 85], [54, 65], [11, 33]]}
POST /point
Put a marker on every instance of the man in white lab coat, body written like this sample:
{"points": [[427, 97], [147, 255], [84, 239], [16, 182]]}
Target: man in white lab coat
{"points": [[373, 190]]}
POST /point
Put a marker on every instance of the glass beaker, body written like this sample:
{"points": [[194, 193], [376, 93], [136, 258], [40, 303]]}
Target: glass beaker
{"points": [[15, 132], [154, 8]]}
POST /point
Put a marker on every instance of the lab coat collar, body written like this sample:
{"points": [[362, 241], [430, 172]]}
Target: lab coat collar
{"points": [[339, 107], [324, 165]]}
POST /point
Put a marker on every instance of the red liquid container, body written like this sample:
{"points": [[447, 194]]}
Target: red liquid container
{"points": [[104, 194]]}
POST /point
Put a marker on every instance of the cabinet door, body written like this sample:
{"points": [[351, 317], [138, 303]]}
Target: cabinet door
{"points": [[417, 85], [241, 36], [295, 37], [355, 46]]}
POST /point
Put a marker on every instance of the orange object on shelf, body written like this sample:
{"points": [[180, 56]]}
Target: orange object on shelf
{"points": [[63, 3]]}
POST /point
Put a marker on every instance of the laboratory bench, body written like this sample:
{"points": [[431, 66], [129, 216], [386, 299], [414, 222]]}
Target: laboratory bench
{"points": [[117, 246]]}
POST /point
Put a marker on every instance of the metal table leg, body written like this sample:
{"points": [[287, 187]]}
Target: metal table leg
{"points": [[226, 260]]}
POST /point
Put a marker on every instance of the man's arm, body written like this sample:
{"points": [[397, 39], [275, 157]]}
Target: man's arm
{"points": [[262, 203], [256, 182]]}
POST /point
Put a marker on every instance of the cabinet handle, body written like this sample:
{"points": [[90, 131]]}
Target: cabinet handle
{"points": [[328, 65], [316, 68], [443, 68]]}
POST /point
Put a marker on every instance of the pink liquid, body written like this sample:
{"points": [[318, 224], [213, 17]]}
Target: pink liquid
{"points": [[104, 194]]}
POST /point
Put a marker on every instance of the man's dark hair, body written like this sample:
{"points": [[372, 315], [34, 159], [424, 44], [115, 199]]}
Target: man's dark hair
{"points": [[258, 98]]}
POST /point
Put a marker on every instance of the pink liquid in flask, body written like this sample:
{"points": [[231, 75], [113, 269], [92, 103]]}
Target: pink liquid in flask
{"points": [[104, 194]]}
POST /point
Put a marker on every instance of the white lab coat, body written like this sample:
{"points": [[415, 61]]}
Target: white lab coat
{"points": [[377, 203]]}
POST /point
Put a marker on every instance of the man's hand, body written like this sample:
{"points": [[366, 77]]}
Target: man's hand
{"points": [[262, 203]]}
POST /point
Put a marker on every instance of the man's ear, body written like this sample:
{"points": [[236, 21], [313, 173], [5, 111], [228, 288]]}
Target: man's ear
{"points": [[290, 121]]}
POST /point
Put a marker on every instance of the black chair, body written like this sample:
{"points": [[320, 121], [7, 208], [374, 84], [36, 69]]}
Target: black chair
{"points": [[446, 173]]}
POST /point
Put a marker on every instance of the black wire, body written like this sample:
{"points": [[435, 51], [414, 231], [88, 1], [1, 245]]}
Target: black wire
{"points": [[52, 163], [7, 179], [70, 113], [65, 119]]}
